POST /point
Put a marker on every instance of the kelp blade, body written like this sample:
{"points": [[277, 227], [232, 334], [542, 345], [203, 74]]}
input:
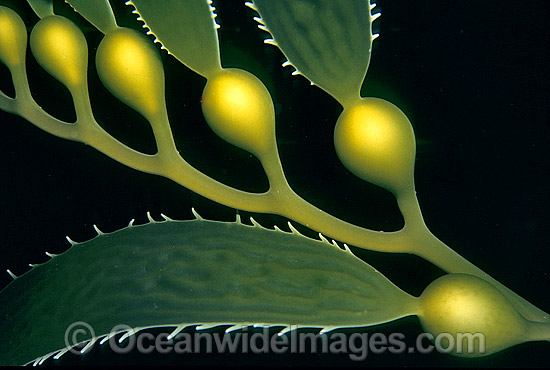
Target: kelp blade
{"points": [[193, 272], [42, 8], [327, 41], [97, 12], [186, 28]]}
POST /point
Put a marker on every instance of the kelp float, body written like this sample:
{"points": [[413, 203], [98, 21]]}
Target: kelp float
{"points": [[200, 272]]}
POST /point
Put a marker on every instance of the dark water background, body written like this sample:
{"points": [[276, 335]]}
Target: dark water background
{"points": [[472, 79]]}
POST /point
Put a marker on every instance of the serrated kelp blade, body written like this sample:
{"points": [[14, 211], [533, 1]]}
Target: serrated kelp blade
{"points": [[97, 12], [42, 8], [327, 41], [203, 272], [186, 28]]}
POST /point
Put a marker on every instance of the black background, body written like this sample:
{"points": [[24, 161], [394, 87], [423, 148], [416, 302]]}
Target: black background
{"points": [[471, 76]]}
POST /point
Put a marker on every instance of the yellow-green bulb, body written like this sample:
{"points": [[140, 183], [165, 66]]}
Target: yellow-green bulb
{"points": [[13, 38], [60, 48], [238, 108], [375, 140], [458, 304], [129, 66]]}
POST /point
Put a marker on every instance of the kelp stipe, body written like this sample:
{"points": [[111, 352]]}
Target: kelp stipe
{"points": [[283, 161]]}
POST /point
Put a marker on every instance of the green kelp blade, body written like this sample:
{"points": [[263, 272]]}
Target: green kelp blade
{"points": [[42, 8], [186, 28], [327, 41], [97, 12], [181, 273]]}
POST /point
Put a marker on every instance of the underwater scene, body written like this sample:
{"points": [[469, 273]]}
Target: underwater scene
{"points": [[472, 80]]}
